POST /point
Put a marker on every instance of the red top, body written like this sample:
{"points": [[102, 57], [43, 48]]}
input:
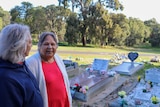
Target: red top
{"points": [[57, 96]]}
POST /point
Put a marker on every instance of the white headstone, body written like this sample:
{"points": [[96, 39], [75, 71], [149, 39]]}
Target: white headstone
{"points": [[100, 64]]}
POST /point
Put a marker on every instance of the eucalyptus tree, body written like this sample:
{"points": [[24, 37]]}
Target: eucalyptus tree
{"points": [[138, 32], [119, 31], [112, 4], [15, 14], [99, 22], [83, 7], [72, 29], [1, 15], [56, 20], [37, 19], [4, 18], [155, 32], [18, 13], [155, 38], [151, 23], [65, 3], [1, 23]]}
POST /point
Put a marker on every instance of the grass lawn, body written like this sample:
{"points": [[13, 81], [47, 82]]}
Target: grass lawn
{"points": [[145, 54]]}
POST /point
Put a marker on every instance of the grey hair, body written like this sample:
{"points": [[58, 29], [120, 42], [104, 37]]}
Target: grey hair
{"points": [[13, 42], [44, 35]]}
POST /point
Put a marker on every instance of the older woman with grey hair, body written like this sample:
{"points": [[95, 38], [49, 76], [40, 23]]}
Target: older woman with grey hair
{"points": [[18, 86], [50, 72]]}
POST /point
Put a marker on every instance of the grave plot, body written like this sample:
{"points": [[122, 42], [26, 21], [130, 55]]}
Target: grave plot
{"points": [[71, 67], [92, 81], [70, 64], [129, 68], [145, 94]]}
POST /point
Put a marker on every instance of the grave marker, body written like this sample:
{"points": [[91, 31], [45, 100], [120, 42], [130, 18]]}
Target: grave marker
{"points": [[100, 65], [133, 56], [70, 64], [128, 68], [139, 95], [153, 75]]}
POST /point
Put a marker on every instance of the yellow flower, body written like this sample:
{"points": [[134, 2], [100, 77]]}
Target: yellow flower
{"points": [[122, 94], [155, 99], [139, 78], [86, 87], [149, 82]]}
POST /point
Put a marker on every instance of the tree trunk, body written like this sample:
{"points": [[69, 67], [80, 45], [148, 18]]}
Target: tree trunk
{"points": [[83, 40]]}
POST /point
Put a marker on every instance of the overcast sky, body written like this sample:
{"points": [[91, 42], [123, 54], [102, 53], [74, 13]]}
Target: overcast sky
{"points": [[142, 9]]}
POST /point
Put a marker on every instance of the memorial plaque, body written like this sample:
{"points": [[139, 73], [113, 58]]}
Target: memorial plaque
{"points": [[69, 62], [153, 75], [139, 95], [70, 65], [100, 65]]}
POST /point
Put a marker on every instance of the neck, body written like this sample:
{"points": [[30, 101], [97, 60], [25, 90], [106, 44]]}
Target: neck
{"points": [[48, 60]]}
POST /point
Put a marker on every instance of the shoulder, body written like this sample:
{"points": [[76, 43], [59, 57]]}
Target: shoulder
{"points": [[12, 77], [33, 58], [36, 55], [57, 56]]}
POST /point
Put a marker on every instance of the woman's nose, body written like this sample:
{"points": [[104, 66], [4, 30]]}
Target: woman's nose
{"points": [[49, 46]]}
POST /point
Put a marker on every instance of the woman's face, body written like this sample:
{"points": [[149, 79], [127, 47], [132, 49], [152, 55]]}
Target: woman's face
{"points": [[29, 45], [48, 48]]}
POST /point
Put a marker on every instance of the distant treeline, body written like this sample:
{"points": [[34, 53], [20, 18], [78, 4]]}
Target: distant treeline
{"points": [[92, 23]]}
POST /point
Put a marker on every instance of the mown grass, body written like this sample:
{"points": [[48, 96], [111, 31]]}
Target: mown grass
{"points": [[145, 55]]}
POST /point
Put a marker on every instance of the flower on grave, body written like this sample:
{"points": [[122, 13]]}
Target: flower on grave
{"points": [[89, 68], [79, 88], [155, 99], [149, 82], [122, 94], [78, 59], [84, 89], [102, 72], [139, 78], [144, 90], [123, 101]]}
